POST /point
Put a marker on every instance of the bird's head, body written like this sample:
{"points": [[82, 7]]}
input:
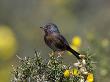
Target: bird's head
{"points": [[50, 28]]}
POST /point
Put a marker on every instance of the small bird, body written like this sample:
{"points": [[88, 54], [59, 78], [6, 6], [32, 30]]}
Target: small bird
{"points": [[56, 41]]}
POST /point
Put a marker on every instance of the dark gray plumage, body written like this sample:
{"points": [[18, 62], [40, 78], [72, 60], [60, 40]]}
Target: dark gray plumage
{"points": [[55, 40]]}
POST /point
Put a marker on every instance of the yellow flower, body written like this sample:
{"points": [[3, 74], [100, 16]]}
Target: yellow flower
{"points": [[75, 72], [90, 77], [66, 73], [76, 41], [7, 43], [105, 43]]}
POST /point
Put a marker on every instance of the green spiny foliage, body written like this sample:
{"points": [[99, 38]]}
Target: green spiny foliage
{"points": [[35, 69]]}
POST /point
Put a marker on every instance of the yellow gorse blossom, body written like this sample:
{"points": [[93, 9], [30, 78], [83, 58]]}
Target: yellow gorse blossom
{"points": [[66, 73], [90, 77], [75, 72], [76, 41]]}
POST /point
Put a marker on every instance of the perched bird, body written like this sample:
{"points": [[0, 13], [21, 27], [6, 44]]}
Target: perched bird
{"points": [[56, 41]]}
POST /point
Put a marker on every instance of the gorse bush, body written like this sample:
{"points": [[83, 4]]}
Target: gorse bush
{"points": [[36, 69]]}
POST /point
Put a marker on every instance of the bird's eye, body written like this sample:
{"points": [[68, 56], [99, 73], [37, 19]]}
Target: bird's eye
{"points": [[48, 26]]}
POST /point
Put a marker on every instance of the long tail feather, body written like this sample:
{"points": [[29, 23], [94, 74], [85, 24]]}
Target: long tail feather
{"points": [[74, 52]]}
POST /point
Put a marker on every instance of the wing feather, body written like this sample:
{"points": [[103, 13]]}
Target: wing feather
{"points": [[56, 42]]}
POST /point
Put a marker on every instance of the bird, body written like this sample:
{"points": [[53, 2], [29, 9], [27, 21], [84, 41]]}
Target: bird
{"points": [[55, 40]]}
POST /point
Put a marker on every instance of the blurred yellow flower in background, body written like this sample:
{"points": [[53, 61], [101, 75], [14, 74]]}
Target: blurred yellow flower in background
{"points": [[105, 43], [8, 43], [66, 73], [76, 41], [90, 77]]}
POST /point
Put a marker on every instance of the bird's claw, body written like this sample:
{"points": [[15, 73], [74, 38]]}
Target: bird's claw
{"points": [[82, 56]]}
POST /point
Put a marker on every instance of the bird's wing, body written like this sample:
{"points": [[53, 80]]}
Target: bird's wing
{"points": [[61, 42], [50, 42], [56, 42]]}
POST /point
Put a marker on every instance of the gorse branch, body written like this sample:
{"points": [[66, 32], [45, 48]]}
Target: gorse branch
{"points": [[36, 69]]}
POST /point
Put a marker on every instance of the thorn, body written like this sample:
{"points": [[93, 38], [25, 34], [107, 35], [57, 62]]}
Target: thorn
{"points": [[18, 57]]}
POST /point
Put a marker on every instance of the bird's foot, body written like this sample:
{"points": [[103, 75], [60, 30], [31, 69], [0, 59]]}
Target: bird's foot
{"points": [[51, 53], [82, 56], [59, 53]]}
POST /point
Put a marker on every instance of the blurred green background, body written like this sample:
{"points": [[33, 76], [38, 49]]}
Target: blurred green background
{"points": [[86, 21]]}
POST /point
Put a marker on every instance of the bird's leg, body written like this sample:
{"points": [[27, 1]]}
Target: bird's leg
{"points": [[51, 53], [82, 56], [60, 53]]}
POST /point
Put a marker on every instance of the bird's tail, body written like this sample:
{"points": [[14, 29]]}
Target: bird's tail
{"points": [[74, 52]]}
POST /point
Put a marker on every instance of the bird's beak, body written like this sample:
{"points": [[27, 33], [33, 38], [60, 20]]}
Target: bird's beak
{"points": [[42, 27]]}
